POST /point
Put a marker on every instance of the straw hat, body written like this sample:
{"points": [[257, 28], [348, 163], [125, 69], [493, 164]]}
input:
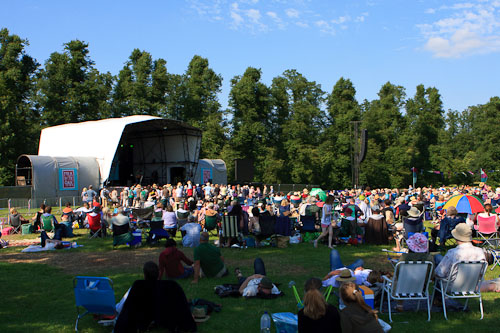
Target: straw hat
{"points": [[345, 276], [200, 314], [414, 212], [462, 232]]}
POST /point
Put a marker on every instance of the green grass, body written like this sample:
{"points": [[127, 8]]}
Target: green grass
{"points": [[39, 297]]}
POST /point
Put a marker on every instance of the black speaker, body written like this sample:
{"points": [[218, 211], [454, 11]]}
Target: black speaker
{"points": [[364, 145], [243, 170]]}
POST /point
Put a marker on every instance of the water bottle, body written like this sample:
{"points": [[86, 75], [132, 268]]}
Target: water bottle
{"points": [[265, 323]]}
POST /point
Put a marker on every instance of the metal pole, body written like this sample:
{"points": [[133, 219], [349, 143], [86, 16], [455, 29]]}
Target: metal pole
{"points": [[60, 204]]}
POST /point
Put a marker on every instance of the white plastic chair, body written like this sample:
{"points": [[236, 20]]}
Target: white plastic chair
{"points": [[463, 281], [410, 282]]}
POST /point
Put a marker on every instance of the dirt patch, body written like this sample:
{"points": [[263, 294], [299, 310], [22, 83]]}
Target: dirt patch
{"points": [[75, 263]]}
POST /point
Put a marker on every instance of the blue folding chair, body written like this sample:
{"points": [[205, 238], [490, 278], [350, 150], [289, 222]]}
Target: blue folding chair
{"points": [[95, 294]]}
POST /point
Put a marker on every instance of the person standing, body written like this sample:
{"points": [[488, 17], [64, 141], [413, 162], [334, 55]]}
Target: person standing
{"points": [[326, 222]]}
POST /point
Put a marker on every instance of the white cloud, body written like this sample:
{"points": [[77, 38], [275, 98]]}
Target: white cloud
{"points": [[430, 11], [292, 13], [465, 28], [254, 15], [325, 27]]}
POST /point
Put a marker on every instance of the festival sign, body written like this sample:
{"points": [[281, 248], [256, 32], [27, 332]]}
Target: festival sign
{"points": [[206, 175], [68, 179]]}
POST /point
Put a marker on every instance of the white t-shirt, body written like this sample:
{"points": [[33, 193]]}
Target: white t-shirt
{"points": [[361, 275], [326, 217], [252, 288]]}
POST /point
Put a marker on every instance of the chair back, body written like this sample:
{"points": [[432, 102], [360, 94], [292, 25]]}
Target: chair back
{"points": [[229, 226], [47, 223], [94, 222], [95, 294], [411, 278], [486, 225], [210, 222], [465, 277]]}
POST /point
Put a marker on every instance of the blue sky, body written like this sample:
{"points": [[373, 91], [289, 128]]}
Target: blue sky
{"points": [[451, 45]]}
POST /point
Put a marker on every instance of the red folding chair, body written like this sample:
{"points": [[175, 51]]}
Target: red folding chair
{"points": [[94, 225]]}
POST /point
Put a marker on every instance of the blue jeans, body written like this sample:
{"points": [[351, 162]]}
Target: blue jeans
{"points": [[336, 262], [258, 268], [188, 271]]}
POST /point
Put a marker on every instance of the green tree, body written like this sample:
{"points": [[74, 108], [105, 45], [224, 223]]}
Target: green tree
{"points": [[303, 128], [424, 114], [249, 102], [342, 109], [388, 145], [18, 119], [70, 89], [201, 107], [142, 86]]}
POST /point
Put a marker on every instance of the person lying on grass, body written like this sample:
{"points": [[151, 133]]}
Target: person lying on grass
{"points": [[257, 284]]}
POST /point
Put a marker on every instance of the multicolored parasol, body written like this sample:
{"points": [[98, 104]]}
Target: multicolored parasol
{"points": [[465, 203]]}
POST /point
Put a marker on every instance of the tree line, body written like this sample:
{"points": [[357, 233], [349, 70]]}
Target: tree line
{"points": [[293, 130]]}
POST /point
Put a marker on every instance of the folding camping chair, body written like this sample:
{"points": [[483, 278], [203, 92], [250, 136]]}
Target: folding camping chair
{"points": [[211, 223], [308, 223], [486, 228], [410, 282], [229, 226], [463, 281], [95, 227], [95, 294]]}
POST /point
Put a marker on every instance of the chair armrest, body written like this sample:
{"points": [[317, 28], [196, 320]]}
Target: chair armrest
{"points": [[386, 279]]}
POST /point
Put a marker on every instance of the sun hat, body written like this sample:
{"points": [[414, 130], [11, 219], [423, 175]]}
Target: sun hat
{"points": [[266, 283], [362, 197], [462, 232], [414, 212], [418, 243], [497, 191], [345, 276], [200, 314]]}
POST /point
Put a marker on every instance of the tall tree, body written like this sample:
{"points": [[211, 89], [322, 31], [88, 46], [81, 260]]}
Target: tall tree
{"points": [[201, 107], [249, 103], [18, 120], [388, 156], [70, 89], [303, 128], [342, 110], [141, 87], [424, 114]]}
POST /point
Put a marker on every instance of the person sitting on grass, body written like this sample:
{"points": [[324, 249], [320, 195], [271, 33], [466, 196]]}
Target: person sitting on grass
{"points": [[171, 260], [208, 260], [357, 316], [145, 305], [257, 284], [337, 268], [317, 315]]}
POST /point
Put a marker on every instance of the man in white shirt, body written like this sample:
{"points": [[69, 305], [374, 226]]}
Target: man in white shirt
{"points": [[258, 284], [464, 251]]}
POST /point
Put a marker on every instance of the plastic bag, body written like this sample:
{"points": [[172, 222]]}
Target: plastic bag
{"points": [[296, 239], [286, 322]]}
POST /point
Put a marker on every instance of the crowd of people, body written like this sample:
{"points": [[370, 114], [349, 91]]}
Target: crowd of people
{"points": [[355, 216]]}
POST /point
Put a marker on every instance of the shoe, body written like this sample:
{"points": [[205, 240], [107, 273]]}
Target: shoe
{"points": [[315, 243], [332, 246], [237, 271]]}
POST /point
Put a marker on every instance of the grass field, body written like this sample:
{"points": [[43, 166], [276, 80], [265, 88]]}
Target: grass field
{"points": [[37, 293]]}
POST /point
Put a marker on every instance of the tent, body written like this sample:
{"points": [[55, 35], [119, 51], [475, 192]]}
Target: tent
{"points": [[52, 177], [133, 149], [214, 171]]}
